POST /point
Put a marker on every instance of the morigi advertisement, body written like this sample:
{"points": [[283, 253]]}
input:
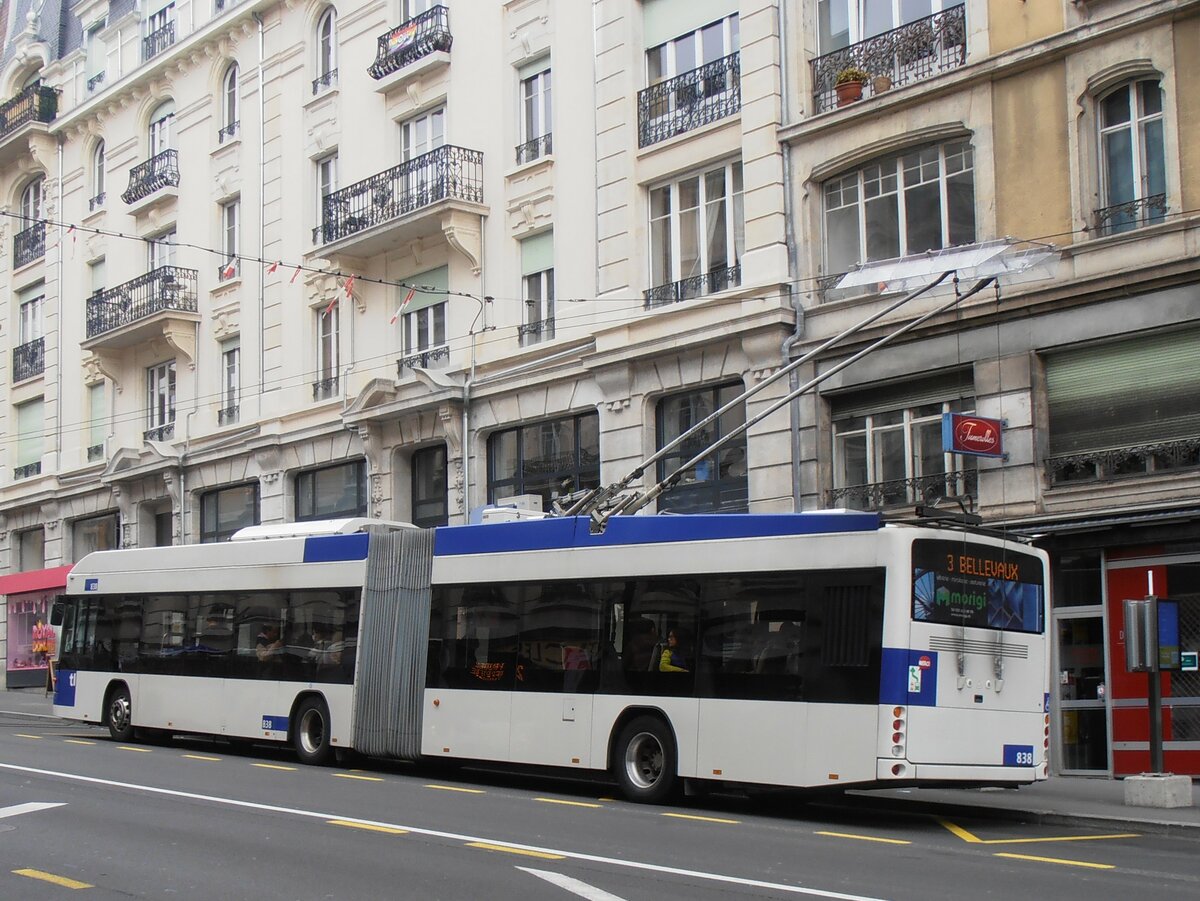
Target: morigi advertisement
{"points": [[977, 585]]}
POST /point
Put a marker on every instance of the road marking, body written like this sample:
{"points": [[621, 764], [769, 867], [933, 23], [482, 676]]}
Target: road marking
{"points": [[1065, 863], [77, 741], [866, 838], [57, 880], [508, 849], [354, 776], [368, 826], [575, 886], [617, 862], [976, 840], [274, 766], [689, 816], [25, 735], [31, 807], [567, 803], [200, 757], [455, 788], [139, 750]]}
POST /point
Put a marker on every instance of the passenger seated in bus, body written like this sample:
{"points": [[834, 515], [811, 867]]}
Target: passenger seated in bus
{"points": [[640, 643], [672, 659], [321, 648], [268, 646]]}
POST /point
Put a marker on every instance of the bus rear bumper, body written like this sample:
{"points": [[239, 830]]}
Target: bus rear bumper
{"points": [[957, 773]]}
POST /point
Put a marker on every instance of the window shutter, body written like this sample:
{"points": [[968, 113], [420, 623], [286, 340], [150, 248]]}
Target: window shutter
{"points": [[944, 386], [437, 279], [1141, 391], [663, 20], [29, 432], [533, 67], [537, 253]]}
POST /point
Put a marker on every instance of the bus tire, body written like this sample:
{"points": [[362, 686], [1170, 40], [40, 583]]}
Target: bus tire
{"points": [[310, 735], [118, 713], [644, 761]]}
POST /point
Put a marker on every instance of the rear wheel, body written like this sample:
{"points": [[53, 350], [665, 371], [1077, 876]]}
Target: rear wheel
{"points": [[118, 714], [644, 761], [310, 734]]}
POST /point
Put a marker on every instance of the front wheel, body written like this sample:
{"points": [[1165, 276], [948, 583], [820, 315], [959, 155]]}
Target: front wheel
{"points": [[119, 714], [644, 761], [310, 735]]}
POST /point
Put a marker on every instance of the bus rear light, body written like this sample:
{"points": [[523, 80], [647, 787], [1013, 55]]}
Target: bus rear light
{"points": [[1046, 744], [897, 737], [897, 751], [897, 724], [898, 769], [897, 712], [1047, 719]]}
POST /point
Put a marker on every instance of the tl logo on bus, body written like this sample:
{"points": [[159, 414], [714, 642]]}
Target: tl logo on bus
{"points": [[973, 435]]}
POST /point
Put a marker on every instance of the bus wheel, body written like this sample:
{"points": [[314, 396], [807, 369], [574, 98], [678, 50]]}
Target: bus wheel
{"points": [[310, 735], [119, 715], [644, 761]]}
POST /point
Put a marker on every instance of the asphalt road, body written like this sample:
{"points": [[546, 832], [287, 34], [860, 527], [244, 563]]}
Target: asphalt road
{"points": [[198, 819]]}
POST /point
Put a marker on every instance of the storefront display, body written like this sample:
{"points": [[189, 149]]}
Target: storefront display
{"points": [[31, 642]]}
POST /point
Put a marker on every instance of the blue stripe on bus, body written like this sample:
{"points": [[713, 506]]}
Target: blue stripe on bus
{"points": [[331, 548], [894, 677], [563, 532]]}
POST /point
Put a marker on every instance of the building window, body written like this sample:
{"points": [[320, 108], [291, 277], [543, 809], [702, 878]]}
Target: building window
{"points": [[160, 390], [229, 93], [97, 276], [328, 320], [429, 499], [422, 134], [98, 177], [30, 440], [164, 528], [326, 51], [160, 251], [424, 322], [94, 55], [231, 214], [535, 116], [97, 409], [551, 458], [922, 199], [537, 283], [326, 183], [841, 23], [692, 50], [160, 18], [224, 511], [31, 313], [31, 203], [697, 235], [96, 533], [1133, 157], [31, 550], [425, 329], [332, 492], [162, 124], [887, 445], [231, 384], [718, 483]]}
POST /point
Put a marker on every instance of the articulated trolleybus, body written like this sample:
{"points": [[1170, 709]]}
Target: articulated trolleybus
{"points": [[803, 650]]}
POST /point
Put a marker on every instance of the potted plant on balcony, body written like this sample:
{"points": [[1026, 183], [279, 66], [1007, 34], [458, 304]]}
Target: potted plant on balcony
{"points": [[849, 84]]}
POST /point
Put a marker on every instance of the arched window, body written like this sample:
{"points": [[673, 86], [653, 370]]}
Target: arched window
{"points": [[229, 100], [1132, 157], [161, 121], [326, 49], [31, 202], [97, 177]]}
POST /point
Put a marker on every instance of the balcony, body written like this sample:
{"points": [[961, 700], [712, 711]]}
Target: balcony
{"points": [[373, 214], [906, 55], [423, 37], [534, 332], [28, 470], [96, 202], [324, 389], [157, 41], [1123, 217], [1123, 462], [535, 149], [36, 105], [903, 492], [29, 245], [324, 82], [228, 133], [94, 83], [689, 101], [29, 359], [95, 452], [150, 306], [434, 358], [695, 286], [152, 181], [227, 415], [164, 432]]}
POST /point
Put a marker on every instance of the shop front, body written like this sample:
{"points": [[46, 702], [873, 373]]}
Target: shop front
{"points": [[30, 640]]}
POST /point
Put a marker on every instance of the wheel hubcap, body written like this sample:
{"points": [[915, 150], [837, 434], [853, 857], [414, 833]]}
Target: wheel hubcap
{"points": [[644, 760], [118, 713], [312, 731]]}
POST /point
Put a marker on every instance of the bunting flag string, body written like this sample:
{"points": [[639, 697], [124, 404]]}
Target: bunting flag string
{"points": [[271, 269], [403, 304], [295, 275], [349, 285], [230, 268]]}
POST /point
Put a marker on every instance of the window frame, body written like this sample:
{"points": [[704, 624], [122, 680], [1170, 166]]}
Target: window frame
{"points": [[209, 535], [326, 62], [31, 316], [98, 173], [668, 51], [536, 106], [733, 204], [230, 102], [161, 397], [856, 20], [582, 474], [326, 177], [425, 326], [711, 478], [160, 131], [328, 345], [231, 225], [33, 202], [306, 484], [428, 488], [539, 308], [231, 361], [1135, 125]]}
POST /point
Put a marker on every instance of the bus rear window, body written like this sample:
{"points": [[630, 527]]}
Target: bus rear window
{"points": [[988, 587]]}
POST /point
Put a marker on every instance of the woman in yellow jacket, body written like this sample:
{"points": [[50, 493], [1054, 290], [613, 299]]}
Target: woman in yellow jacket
{"points": [[672, 660]]}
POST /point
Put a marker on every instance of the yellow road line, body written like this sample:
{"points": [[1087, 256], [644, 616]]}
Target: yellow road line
{"points": [[1065, 863], [976, 840], [50, 877], [369, 827], [542, 854], [139, 750], [961, 832], [455, 788], [567, 803], [274, 766], [353, 776], [77, 741], [688, 816], [25, 735], [866, 838], [200, 757]]}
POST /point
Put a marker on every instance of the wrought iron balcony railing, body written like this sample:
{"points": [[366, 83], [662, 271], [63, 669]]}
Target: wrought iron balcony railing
{"points": [[228, 271], [161, 289], [323, 389], [96, 202], [29, 469], [322, 82], [158, 172], [29, 245], [1123, 217], [905, 55], [157, 41], [434, 358], [94, 82], [535, 149], [164, 432], [228, 132], [29, 359], [36, 103], [696, 286], [690, 100], [899, 492], [533, 332], [1117, 462], [95, 452], [227, 415], [447, 173], [419, 36]]}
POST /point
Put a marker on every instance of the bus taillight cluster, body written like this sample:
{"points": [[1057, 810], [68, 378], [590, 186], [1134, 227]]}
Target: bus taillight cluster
{"points": [[899, 717]]}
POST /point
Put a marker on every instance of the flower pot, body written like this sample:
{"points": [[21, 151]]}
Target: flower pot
{"points": [[881, 83], [848, 92]]}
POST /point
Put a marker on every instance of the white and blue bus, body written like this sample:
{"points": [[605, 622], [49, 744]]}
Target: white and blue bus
{"points": [[803, 650]]}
